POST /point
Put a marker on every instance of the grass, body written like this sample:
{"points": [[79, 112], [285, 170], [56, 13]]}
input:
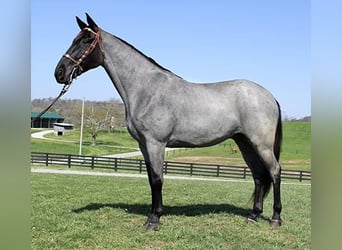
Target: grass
{"points": [[107, 143], [89, 212], [38, 145], [296, 147], [119, 138]]}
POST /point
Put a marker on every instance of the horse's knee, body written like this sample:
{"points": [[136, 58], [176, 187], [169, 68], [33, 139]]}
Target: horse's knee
{"points": [[273, 166], [276, 170], [157, 180]]}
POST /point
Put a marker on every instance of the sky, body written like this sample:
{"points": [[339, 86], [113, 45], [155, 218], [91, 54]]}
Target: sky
{"points": [[265, 41]]}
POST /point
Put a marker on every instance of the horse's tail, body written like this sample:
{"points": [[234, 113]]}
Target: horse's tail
{"points": [[278, 136]]}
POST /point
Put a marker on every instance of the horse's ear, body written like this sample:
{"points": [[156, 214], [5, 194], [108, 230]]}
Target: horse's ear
{"points": [[81, 23], [91, 23]]}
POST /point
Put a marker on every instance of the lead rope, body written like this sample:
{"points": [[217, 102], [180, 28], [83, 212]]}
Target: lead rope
{"points": [[63, 91]]}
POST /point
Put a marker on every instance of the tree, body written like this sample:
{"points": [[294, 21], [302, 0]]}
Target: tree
{"points": [[96, 119]]}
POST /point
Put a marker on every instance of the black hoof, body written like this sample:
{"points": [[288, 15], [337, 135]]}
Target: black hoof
{"points": [[275, 222], [152, 223], [252, 218], [152, 226]]}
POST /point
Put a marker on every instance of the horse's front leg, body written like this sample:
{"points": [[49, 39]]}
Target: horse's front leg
{"points": [[154, 157]]}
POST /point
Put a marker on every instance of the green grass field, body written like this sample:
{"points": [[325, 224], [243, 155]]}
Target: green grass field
{"points": [[107, 143], [296, 147], [88, 212]]}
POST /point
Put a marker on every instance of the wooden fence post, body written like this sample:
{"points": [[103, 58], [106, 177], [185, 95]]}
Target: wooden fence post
{"points": [[245, 172], [69, 161], [218, 171], [47, 159], [165, 167], [191, 168], [116, 164], [92, 162]]}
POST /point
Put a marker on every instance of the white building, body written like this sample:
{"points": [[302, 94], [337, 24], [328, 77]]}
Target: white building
{"points": [[61, 128]]}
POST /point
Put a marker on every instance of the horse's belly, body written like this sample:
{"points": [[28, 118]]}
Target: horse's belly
{"points": [[202, 135], [179, 143]]}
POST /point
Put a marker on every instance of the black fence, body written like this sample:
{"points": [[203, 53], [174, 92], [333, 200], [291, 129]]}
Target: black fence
{"points": [[170, 167]]}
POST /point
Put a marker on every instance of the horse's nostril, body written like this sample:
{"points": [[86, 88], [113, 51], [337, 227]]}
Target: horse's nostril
{"points": [[60, 72]]}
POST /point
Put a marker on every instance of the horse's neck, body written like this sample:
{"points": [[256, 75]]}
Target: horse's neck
{"points": [[127, 69]]}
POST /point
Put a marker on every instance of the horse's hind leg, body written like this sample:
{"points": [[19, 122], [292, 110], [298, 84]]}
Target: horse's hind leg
{"points": [[262, 180], [265, 169], [271, 163], [154, 156]]}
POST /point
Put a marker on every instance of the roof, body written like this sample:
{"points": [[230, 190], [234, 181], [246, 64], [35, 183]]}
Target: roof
{"points": [[60, 124], [47, 115]]}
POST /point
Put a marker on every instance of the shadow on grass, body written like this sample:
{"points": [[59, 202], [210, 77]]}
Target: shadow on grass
{"points": [[186, 210]]}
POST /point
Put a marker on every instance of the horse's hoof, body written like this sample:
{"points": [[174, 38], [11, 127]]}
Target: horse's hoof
{"points": [[152, 226], [275, 222], [152, 223], [251, 219]]}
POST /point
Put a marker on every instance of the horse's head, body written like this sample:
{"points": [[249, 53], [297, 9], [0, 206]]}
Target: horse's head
{"points": [[85, 52]]}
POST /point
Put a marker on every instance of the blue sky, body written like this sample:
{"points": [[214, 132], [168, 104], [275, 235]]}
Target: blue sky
{"points": [[264, 41]]}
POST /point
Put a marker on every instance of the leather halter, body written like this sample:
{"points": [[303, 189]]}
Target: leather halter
{"points": [[88, 50], [77, 65]]}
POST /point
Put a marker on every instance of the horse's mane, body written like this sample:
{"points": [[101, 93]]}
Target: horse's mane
{"points": [[147, 57]]}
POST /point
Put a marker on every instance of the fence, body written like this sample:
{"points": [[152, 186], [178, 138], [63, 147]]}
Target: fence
{"points": [[170, 167]]}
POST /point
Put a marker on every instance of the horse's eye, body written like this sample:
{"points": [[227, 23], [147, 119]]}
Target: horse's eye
{"points": [[88, 40]]}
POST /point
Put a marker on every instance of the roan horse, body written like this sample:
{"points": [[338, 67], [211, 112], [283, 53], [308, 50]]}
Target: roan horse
{"points": [[164, 110]]}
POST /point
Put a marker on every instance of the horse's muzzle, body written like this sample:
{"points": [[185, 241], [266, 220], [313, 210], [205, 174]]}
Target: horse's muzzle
{"points": [[63, 76], [60, 74]]}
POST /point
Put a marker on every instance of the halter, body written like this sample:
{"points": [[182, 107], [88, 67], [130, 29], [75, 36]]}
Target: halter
{"points": [[88, 50], [77, 65]]}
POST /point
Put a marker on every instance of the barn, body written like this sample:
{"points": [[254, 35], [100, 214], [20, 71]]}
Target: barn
{"points": [[46, 120]]}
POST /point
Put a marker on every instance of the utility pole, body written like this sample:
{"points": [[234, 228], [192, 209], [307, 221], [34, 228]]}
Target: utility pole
{"points": [[81, 133]]}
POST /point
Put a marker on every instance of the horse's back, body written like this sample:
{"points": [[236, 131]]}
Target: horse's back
{"points": [[241, 98]]}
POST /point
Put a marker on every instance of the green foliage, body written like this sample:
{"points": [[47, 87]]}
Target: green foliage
{"points": [[88, 212]]}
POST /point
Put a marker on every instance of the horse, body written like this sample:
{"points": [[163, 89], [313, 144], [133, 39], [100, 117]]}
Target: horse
{"points": [[164, 110]]}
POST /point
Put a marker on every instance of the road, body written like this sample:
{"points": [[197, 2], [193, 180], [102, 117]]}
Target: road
{"points": [[41, 134]]}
